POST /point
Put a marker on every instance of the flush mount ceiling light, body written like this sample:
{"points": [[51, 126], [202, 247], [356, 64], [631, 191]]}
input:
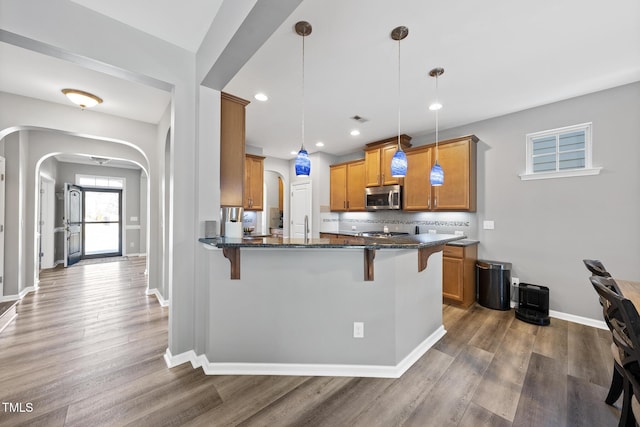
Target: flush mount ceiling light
{"points": [[82, 98], [261, 97], [437, 174], [100, 160], [399, 160], [319, 144], [303, 164], [355, 132]]}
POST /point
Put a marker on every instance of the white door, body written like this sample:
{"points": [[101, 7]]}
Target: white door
{"points": [[300, 207], [2, 173], [45, 225]]}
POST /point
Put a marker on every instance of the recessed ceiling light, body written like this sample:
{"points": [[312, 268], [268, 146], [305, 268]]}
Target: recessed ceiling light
{"points": [[82, 98], [435, 106], [295, 153], [261, 96], [319, 144], [355, 132]]}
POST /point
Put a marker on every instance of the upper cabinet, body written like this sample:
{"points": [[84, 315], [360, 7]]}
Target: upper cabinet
{"points": [[347, 186], [417, 188], [377, 159], [458, 160], [232, 160], [253, 182]]}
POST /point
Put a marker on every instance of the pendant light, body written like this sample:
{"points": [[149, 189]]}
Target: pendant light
{"points": [[399, 160], [437, 174], [303, 164]]}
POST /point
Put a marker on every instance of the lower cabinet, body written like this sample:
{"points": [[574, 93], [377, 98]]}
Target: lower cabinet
{"points": [[459, 275]]}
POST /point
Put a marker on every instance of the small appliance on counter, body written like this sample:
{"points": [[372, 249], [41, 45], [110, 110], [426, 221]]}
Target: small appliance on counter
{"points": [[231, 222], [533, 304]]}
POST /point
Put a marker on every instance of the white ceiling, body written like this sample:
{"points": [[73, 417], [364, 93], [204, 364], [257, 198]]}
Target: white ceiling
{"points": [[183, 23], [28, 73], [499, 57]]}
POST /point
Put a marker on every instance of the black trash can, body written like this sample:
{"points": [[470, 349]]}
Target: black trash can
{"points": [[493, 284]]}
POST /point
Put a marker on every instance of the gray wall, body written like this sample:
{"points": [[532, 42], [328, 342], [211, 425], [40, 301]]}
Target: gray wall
{"points": [[546, 227], [67, 173]]}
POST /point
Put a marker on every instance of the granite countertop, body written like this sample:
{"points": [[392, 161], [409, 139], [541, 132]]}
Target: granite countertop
{"points": [[415, 241]]}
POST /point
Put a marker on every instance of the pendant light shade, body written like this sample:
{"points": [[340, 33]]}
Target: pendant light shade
{"points": [[399, 164], [303, 163], [399, 160], [437, 173]]}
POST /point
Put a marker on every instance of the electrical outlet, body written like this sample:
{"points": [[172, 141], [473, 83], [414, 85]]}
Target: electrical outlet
{"points": [[358, 329], [458, 233], [353, 228], [488, 225], [432, 231], [515, 281]]}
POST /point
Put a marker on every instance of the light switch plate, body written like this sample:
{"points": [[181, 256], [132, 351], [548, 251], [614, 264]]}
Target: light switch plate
{"points": [[358, 329], [488, 225]]}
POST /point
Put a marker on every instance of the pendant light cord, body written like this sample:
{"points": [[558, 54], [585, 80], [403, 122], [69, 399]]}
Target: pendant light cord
{"points": [[303, 92], [438, 101], [399, 146]]}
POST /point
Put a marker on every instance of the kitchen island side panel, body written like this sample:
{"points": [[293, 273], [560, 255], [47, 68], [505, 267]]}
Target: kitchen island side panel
{"points": [[295, 306]]}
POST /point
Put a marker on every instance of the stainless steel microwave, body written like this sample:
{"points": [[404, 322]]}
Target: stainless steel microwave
{"points": [[381, 198]]}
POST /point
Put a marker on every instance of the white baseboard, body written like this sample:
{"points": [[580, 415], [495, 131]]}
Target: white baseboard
{"points": [[161, 300], [600, 324], [304, 369], [25, 291], [18, 297]]}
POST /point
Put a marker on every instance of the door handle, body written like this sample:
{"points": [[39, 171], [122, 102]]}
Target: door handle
{"points": [[390, 197]]}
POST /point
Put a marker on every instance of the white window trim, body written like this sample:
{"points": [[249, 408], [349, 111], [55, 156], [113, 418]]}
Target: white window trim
{"points": [[588, 168]]}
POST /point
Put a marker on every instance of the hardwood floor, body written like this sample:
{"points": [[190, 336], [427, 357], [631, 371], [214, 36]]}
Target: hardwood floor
{"points": [[86, 350]]}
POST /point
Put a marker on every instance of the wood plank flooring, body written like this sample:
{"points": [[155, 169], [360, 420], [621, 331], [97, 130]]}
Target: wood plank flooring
{"points": [[86, 350]]}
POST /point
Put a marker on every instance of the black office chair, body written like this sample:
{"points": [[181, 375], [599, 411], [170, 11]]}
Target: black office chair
{"points": [[624, 322], [596, 267]]}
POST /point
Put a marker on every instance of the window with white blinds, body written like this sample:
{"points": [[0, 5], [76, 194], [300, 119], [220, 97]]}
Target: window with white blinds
{"points": [[559, 153]]}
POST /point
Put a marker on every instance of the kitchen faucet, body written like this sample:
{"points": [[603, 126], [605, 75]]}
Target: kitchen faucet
{"points": [[306, 229]]}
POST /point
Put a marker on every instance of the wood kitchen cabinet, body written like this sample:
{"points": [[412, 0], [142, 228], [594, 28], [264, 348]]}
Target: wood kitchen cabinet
{"points": [[458, 274], [253, 182], [458, 160], [232, 140], [347, 186], [377, 158]]}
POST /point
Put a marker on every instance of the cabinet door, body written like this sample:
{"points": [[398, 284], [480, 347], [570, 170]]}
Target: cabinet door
{"points": [[338, 187], [452, 278], [458, 190], [232, 129], [385, 166], [355, 186], [253, 183], [372, 168], [417, 188]]}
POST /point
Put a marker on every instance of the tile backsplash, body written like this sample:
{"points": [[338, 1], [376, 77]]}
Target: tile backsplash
{"points": [[441, 222]]}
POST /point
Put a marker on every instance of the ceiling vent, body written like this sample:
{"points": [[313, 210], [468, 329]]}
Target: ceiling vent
{"points": [[360, 119]]}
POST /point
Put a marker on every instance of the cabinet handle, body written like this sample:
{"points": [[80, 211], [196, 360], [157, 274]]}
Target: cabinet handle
{"points": [[382, 179], [344, 204], [347, 204], [429, 202], [435, 202]]}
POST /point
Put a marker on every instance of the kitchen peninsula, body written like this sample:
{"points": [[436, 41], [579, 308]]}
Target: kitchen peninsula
{"points": [[292, 306]]}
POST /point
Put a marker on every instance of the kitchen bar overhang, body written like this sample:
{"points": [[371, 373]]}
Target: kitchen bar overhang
{"points": [[425, 244]]}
